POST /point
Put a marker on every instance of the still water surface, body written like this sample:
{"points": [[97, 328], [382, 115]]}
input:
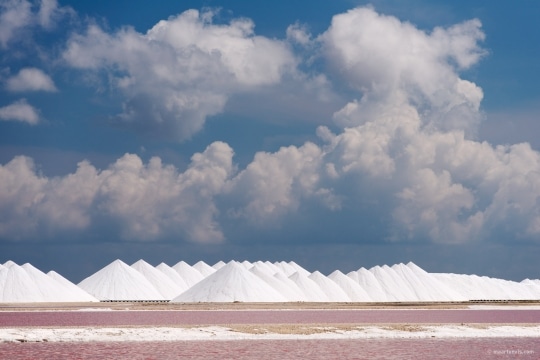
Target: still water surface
{"points": [[481, 348]]}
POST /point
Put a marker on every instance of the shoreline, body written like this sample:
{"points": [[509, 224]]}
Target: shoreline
{"points": [[266, 332], [130, 305], [327, 330]]}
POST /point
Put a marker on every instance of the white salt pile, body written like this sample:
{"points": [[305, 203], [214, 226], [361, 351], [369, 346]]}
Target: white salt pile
{"points": [[78, 293], [204, 268], [352, 288], [289, 290], [173, 275], [370, 283], [329, 287], [190, 275], [256, 282], [166, 287], [310, 288], [219, 265], [28, 284], [119, 281], [232, 282]]}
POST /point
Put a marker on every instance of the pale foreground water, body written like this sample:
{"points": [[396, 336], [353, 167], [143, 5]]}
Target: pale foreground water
{"points": [[486, 333], [475, 348]]}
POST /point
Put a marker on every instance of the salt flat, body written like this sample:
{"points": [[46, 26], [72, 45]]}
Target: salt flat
{"points": [[263, 332]]}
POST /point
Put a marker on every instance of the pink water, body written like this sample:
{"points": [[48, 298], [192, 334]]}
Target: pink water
{"points": [[223, 317], [476, 349]]}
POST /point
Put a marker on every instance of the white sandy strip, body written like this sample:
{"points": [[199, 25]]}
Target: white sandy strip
{"points": [[224, 333], [504, 307]]}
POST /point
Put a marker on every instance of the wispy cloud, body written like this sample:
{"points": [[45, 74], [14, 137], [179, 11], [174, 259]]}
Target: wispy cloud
{"points": [[18, 17]]}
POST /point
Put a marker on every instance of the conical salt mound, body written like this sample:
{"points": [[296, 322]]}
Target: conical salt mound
{"points": [[330, 288], [474, 287], [9, 263], [219, 265], [51, 289], [204, 268], [264, 267], [78, 293], [261, 268], [119, 281], [471, 287], [299, 269], [17, 286], [248, 265], [310, 288], [391, 285], [286, 268], [174, 276], [267, 266], [299, 293], [291, 293], [233, 282], [28, 284], [353, 275], [426, 286], [533, 286], [369, 282], [351, 287], [517, 290], [166, 287], [190, 275]]}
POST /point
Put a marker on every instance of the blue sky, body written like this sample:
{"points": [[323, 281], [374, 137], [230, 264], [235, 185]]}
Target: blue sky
{"points": [[337, 134]]}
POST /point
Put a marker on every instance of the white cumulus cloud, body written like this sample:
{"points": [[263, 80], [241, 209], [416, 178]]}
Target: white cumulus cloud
{"points": [[142, 201], [403, 144], [274, 184], [412, 132], [20, 110], [182, 70], [30, 79], [389, 61]]}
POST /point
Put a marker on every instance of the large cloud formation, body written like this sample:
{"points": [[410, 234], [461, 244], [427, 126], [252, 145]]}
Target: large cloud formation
{"points": [[403, 145], [182, 70], [144, 202]]}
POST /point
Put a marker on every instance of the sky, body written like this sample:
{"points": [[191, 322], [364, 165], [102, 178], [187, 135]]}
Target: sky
{"points": [[336, 134]]}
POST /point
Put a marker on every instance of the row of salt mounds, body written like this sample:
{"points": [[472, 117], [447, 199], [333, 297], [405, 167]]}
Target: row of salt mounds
{"points": [[164, 284], [269, 282], [174, 276], [28, 284], [411, 283], [353, 289], [293, 283], [143, 282], [402, 283], [279, 282], [426, 286], [190, 275], [474, 287], [232, 282]]}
